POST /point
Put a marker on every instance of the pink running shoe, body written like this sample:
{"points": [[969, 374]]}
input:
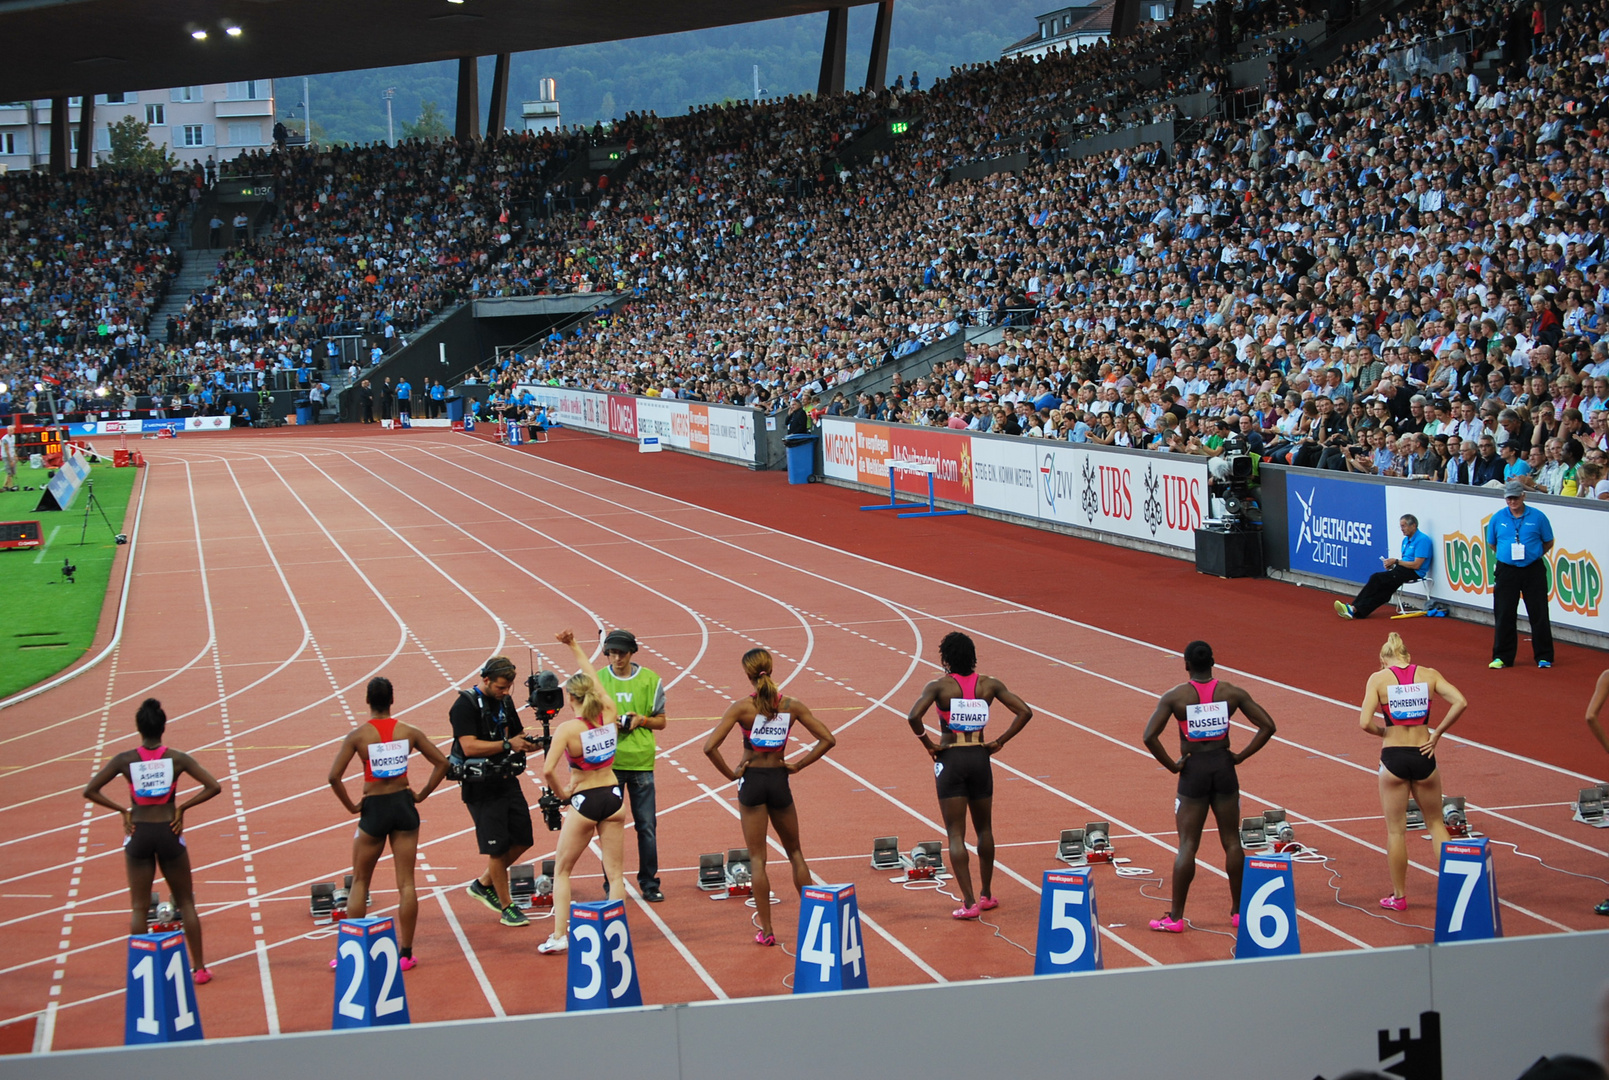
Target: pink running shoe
{"points": [[201, 976], [408, 963], [1167, 924], [987, 903], [763, 938], [965, 912], [1394, 903], [1234, 920]]}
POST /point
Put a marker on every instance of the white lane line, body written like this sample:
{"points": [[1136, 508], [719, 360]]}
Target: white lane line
{"points": [[51, 539], [469, 954], [267, 979]]}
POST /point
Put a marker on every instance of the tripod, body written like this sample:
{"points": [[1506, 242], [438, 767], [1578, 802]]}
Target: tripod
{"points": [[89, 503]]}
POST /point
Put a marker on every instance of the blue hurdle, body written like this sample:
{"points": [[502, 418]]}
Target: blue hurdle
{"points": [[916, 510]]}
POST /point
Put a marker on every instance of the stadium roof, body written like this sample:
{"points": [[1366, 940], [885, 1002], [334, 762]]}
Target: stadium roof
{"points": [[73, 47]]}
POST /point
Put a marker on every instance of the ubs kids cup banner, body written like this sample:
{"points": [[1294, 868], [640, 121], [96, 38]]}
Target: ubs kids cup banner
{"points": [[1464, 569], [1156, 497]]}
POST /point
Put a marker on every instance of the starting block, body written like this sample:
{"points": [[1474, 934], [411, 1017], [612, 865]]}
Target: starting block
{"points": [[1268, 908], [1098, 842], [1589, 807], [739, 872], [602, 971], [158, 1005], [1466, 893], [830, 954], [1070, 848], [1069, 928], [913, 510], [368, 975]]}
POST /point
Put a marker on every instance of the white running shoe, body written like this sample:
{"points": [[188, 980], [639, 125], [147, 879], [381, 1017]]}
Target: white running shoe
{"points": [[554, 945]]}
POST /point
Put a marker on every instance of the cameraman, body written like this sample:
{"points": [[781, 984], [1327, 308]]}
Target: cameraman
{"points": [[486, 734], [640, 696]]}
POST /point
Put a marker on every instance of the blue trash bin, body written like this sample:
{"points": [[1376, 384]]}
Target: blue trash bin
{"points": [[455, 409], [802, 458], [304, 411]]}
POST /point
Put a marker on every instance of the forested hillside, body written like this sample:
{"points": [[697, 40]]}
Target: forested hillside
{"points": [[671, 73]]}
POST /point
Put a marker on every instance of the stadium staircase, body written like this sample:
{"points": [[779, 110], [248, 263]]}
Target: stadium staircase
{"points": [[196, 271]]}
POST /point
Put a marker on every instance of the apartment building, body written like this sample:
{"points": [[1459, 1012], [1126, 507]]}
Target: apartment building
{"points": [[219, 120]]}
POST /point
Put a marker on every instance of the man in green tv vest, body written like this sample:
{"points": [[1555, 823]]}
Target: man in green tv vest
{"points": [[640, 701]]}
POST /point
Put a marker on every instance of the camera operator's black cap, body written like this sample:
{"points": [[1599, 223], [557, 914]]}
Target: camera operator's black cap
{"points": [[620, 639]]}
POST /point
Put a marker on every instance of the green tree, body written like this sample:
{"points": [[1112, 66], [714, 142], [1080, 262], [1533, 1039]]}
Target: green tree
{"points": [[132, 148], [432, 123]]}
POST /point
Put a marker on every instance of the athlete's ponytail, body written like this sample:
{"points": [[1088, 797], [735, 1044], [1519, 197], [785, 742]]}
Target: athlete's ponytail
{"points": [[586, 696], [757, 665], [1394, 649], [151, 721]]}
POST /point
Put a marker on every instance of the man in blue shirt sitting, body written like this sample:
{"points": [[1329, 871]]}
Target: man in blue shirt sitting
{"points": [[1411, 565], [1520, 536]]}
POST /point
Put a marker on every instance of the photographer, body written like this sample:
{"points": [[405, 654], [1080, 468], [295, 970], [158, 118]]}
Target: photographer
{"points": [[489, 747]]}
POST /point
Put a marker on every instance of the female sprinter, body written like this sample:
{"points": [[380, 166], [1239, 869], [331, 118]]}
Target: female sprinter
{"points": [[153, 828], [1401, 691], [387, 806], [588, 743], [762, 776], [961, 760]]}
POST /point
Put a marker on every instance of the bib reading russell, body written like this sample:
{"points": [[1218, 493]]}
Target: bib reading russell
{"points": [[1209, 720]]}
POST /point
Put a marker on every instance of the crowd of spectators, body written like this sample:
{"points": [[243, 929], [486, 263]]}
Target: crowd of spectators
{"points": [[1337, 276]]}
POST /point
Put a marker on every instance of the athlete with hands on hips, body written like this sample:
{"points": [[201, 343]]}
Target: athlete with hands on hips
{"points": [[961, 760]]}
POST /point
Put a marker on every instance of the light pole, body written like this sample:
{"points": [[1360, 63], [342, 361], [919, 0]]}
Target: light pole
{"points": [[390, 131]]}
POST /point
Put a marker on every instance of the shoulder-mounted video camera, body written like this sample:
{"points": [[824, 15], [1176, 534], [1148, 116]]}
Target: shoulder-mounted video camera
{"points": [[470, 770]]}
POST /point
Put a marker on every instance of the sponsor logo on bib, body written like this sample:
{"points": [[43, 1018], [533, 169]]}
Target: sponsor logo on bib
{"points": [[388, 759], [769, 732], [968, 714], [1209, 720], [152, 779], [1408, 702], [598, 744]]}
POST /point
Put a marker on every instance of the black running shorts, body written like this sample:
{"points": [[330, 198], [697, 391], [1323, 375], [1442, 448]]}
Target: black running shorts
{"points": [[962, 772], [1208, 775], [766, 786], [1407, 763], [599, 803], [383, 815]]}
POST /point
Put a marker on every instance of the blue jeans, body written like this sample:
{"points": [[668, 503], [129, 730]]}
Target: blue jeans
{"points": [[639, 785]]}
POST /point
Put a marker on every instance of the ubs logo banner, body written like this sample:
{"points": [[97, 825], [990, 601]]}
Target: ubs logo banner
{"points": [[1156, 499], [1337, 528]]}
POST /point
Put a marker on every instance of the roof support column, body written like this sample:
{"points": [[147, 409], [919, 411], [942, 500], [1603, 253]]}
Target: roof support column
{"points": [[877, 67], [86, 132], [834, 52], [1125, 18], [58, 135], [497, 110], [467, 123]]}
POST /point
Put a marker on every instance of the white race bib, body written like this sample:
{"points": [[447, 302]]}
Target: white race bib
{"points": [[1408, 702], [152, 779], [770, 732], [968, 714], [598, 744], [1209, 720], [388, 759]]}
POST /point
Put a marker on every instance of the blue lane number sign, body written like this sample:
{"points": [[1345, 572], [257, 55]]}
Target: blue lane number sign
{"points": [[159, 1000], [368, 975], [1268, 909], [1069, 929], [830, 952], [1466, 895], [603, 971]]}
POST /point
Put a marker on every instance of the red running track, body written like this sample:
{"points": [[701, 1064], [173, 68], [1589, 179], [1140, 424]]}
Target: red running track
{"points": [[276, 573]]}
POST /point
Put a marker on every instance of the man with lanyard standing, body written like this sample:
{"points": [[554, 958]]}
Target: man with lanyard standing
{"points": [[640, 698], [404, 397], [1411, 566], [438, 395], [1520, 535], [486, 726]]}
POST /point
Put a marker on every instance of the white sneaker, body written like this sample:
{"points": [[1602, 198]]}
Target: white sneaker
{"points": [[554, 945]]}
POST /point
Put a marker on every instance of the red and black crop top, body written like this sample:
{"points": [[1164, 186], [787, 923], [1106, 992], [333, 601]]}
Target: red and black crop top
{"points": [[597, 747], [388, 758]]}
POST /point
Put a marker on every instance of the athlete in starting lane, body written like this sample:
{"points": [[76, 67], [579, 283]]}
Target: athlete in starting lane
{"points": [[153, 828], [1206, 770], [763, 793], [387, 807], [961, 766], [1400, 691], [596, 803]]}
